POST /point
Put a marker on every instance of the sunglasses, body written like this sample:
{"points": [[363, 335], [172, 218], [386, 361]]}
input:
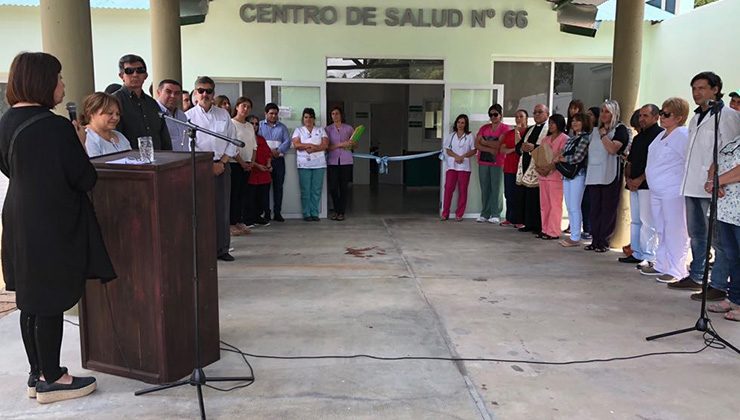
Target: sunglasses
{"points": [[137, 70], [664, 114], [494, 114], [208, 91]]}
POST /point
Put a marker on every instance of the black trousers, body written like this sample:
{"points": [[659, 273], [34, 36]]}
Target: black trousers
{"points": [[239, 179], [259, 196], [278, 178], [42, 338], [586, 212], [222, 184], [604, 202], [339, 177], [514, 198], [527, 208], [532, 216]]}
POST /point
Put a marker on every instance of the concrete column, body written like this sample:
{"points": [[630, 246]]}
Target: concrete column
{"points": [[166, 50], [627, 59], [66, 34]]}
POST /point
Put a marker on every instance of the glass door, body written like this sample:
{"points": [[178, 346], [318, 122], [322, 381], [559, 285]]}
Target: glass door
{"points": [[292, 98], [473, 101]]}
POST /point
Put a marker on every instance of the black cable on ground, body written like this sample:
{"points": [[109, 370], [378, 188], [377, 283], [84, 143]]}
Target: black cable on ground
{"points": [[709, 342], [251, 371]]}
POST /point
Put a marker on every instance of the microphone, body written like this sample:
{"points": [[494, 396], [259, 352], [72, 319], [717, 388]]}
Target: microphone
{"points": [[72, 109]]}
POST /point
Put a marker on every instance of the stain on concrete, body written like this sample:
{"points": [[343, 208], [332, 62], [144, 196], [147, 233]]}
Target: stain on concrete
{"points": [[364, 252]]}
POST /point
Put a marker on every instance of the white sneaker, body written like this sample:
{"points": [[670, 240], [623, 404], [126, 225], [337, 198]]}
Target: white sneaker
{"points": [[643, 264], [481, 219], [494, 220]]}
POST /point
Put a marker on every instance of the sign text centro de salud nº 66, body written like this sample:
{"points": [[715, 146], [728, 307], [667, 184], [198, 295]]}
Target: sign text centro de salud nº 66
{"points": [[370, 16]]}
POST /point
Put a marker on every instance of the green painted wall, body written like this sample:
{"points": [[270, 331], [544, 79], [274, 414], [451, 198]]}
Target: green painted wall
{"points": [[225, 46], [298, 52]]}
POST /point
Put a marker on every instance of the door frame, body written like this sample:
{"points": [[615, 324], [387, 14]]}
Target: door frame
{"points": [[447, 118]]}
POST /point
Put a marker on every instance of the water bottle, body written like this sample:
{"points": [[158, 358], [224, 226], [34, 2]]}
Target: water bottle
{"points": [[146, 149]]}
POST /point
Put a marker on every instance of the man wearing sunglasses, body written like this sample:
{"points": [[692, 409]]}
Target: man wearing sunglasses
{"points": [[218, 120], [139, 111]]}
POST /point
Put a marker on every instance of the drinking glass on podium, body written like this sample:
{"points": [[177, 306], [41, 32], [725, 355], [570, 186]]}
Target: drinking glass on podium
{"points": [[146, 149]]}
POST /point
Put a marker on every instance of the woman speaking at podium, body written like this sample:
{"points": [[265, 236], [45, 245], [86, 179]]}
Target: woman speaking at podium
{"points": [[51, 241]]}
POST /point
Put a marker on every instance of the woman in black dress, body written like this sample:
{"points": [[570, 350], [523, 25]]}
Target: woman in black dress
{"points": [[51, 241]]}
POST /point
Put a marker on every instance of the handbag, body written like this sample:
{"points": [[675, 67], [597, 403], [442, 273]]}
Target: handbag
{"points": [[570, 170]]}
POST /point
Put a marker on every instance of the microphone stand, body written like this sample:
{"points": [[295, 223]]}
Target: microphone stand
{"points": [[198, 377], [704, 324]]}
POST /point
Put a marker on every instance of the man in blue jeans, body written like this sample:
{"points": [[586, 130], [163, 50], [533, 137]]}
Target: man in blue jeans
{"points": [[278, 138], [705, 87]]}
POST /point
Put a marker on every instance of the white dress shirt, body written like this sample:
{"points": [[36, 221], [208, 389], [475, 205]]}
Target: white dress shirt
{"points": [[217, 120]]}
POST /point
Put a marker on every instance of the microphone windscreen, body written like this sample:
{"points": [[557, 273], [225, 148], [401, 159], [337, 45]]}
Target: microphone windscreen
{"points": [[72, 110]]}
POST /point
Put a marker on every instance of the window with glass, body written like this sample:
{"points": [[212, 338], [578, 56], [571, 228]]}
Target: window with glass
{"points": [[384, 68], [667, 5], [530, 83], [588, 82], [526, 84]]}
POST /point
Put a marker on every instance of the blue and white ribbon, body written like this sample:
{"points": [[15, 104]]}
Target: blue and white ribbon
{"points": [[382, 161]]}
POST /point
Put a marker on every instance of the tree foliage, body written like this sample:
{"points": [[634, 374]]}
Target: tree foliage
{"points": [[698, 3]]}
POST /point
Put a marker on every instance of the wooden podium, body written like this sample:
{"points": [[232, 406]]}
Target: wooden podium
{"points": [[141, 324]]}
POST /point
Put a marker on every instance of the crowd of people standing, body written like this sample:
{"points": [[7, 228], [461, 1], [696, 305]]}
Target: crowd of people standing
{"points": [[586, 160]]}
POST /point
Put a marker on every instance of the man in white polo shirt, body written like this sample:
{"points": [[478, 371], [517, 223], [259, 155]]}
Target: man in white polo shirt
{"points": [[218, 120]]}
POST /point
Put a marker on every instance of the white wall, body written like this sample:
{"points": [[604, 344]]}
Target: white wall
{"points": [[678, 49]]}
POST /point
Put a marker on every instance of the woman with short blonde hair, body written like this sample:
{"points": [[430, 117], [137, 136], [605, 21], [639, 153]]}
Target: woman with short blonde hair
{"points": [[666, 159]]}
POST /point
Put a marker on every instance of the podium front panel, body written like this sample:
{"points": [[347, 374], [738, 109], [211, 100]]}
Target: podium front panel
{"points": [[141, 324]]}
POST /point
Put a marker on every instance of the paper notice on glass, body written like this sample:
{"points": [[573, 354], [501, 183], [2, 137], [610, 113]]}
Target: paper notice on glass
{"points": [[126, 161]]}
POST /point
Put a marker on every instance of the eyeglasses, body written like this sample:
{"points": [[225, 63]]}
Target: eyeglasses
{"points": [[494, 114], [538, 111], [664, 114], [137, 70], [207, 91]]}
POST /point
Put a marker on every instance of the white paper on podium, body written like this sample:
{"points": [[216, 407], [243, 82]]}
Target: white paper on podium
{"points": [[126, 161]]}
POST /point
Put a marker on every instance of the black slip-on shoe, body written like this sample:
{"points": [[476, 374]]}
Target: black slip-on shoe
{"points": [[278, 217], [629, 260], [712, 295], [33, 379], [226, 257], [685, 283], [48, 393]]}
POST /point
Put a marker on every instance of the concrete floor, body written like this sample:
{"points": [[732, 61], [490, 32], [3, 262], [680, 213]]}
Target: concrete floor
{"points": [[427, 289]]}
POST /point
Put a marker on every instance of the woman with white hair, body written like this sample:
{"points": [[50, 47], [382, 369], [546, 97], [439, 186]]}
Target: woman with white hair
{"points": [[604, 174]]}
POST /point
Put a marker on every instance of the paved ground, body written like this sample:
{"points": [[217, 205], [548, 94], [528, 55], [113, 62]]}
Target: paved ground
{"points": [[425, 289]]}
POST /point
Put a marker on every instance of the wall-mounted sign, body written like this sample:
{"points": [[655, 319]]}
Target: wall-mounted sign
{"points": [[372, 16]]}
